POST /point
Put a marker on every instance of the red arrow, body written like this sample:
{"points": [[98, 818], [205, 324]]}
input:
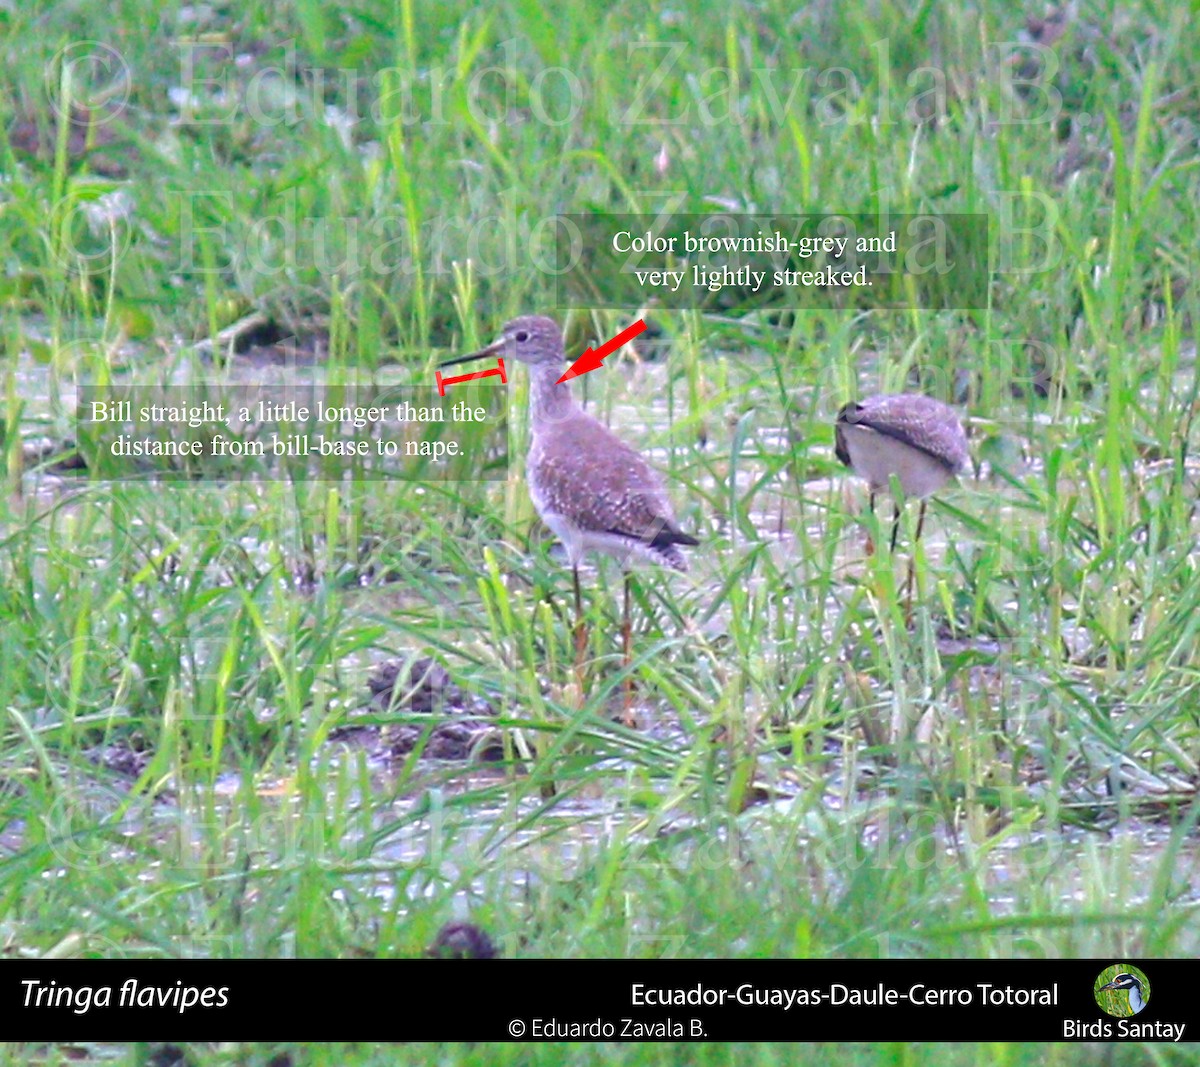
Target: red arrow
{"points": [[593, 358]]}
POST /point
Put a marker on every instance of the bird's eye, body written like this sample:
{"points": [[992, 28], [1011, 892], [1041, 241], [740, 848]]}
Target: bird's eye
{"points": [[521, 337]]}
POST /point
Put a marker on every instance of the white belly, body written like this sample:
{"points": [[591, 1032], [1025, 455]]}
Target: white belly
{"points": [[876, 457]]}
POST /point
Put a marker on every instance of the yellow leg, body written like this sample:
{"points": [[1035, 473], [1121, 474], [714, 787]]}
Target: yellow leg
{"points": [[627, 658], [581, 630], [910, 580]]}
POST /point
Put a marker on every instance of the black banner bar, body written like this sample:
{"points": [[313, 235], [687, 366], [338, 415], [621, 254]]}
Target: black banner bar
{"points": [[614, 1000]]}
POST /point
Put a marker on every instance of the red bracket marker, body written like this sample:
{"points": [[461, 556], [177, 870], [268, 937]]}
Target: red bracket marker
{"points": [[498, 369], [593, 359]]}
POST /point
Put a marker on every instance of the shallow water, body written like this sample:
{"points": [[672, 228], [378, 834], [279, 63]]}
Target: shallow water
{"points": [[1107, 869]]}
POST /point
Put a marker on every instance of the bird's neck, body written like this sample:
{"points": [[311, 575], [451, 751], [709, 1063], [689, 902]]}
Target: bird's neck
{"points": [[548, 400]]}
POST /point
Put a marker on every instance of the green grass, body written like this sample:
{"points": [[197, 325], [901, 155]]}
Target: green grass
{"points": [[860, 1055], [1014, 775]]}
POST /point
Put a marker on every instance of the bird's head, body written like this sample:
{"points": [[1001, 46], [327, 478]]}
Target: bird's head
{"points": [[527, 338]]}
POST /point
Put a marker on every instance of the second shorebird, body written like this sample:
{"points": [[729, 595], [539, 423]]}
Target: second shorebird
{"points": [[588, 486], [915, 438]]}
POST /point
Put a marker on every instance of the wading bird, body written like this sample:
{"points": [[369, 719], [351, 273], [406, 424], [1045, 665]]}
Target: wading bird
{"points": [[914, 437], [589, 487], [1125, 980]]}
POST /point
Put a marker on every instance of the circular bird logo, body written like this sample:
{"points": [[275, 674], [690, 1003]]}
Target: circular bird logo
{"points": [[1122, 990]]}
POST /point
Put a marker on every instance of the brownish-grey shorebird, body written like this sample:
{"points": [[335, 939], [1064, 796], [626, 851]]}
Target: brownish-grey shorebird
{"points": [[916, 438], [589, 487]]}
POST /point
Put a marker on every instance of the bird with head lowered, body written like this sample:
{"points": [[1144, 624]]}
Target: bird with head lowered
{"points": [[901, 439]]}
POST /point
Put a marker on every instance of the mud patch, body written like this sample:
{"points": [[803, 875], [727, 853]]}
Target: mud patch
{"points": [[457, 725]]}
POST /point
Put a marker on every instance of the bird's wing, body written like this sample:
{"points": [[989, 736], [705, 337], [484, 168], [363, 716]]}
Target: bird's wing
{"points": [[602, 484], [917, 421]]}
